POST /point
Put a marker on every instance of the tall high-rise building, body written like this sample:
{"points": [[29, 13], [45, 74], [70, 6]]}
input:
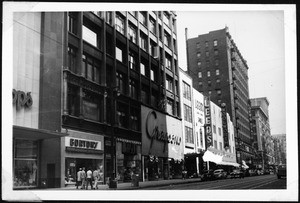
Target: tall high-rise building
{"points": [[280, 148], [86, 75], [220, 72], [260, 126]]}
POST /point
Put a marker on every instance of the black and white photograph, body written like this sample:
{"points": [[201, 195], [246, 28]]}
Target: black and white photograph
{"points": [[149, 101]]}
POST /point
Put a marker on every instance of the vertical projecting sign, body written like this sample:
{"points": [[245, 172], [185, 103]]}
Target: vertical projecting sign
{"points": [[224, 125], [207, 114]]}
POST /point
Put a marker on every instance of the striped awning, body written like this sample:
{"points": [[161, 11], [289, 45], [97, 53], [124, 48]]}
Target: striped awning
{"points": [[128, 141]]}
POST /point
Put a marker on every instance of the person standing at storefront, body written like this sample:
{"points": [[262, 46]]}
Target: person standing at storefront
{"points": [[96, 178], [79, 182], [83, 178], [89, 175]]}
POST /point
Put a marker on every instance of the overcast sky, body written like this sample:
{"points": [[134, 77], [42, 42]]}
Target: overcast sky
{"points": [[259, 35]]}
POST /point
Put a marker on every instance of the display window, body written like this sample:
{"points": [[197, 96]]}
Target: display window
{"points": [[25, 163], [154, 168], [72, 166]]}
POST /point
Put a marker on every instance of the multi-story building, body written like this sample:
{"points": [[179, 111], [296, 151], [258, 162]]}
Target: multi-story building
{"points": [[89, 73], [220, 72], [260, 126], [279, 148]]}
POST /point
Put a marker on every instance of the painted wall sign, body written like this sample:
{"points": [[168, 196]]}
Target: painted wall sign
{"points": [[224, 125], [82, 143], [199, 119], [208, 131], [21, 98]]}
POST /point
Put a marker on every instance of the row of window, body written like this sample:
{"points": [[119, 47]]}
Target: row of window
{"points": [[215, 43], [199, 63], [208, 73], [216, 53]]}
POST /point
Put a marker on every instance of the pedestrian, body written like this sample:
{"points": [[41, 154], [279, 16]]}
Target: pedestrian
{"points": [[83, 178], [96, 178], [78, 178], [89, 175]]}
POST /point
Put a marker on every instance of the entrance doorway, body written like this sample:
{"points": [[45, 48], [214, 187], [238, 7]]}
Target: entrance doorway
{"points": [[51, 175]]}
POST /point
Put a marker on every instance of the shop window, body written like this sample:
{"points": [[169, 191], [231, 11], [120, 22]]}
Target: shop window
{"points": [[72, 59], [25, 163], [73, 100], [91, 105], [91, 68]]}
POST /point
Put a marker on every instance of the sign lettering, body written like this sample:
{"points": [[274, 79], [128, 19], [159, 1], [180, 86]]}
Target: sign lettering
{"points": [[224, 125], [22, 99], [208, 132], [83, 143]]}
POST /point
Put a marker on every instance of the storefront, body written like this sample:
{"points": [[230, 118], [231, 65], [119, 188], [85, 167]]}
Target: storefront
{"points": [[29, 159], [162, 145], [82, 150], [128, 159]]}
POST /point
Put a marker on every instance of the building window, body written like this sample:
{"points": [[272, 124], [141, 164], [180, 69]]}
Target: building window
{"points": [[143, 17], [132, 33], [90, 105], [220, 144], [152, 26], [169, 83], [143, 69], [216, 52], [132, 60], [176, 88], [120, 82], [134, 118], [133, 13], [200, 84], [217, 72], [198, 45], [167, 40], [209, 93], [121, 115], [189, 138], [215, 43], [133, 89], [168, 62], [25, 163], [166, 19], [207, 64], [187, 111], [219, 129], [215, 144], [219, 92], [120, 24], [218, 81], [216, 62], [119, 54], [186, 91], [145, 95], [73, 100], [199, 63], [198, 55], [170, 108], [206, 44], [219, 101], [209, 83], [72, 59], [153, 49], [214, 129], [200, 75], [143, 41], [207, 54], [72, 26], [108, 19], [208, 73], [89, 36], [153, 74], [91, 68]]}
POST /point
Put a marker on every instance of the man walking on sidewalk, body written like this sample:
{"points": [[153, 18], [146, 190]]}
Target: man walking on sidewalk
{"points": [[83, 178], [78, 178], [95, 177], [89, 175]]}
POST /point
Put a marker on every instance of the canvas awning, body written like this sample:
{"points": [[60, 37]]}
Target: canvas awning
{"points": [[217, 159]]}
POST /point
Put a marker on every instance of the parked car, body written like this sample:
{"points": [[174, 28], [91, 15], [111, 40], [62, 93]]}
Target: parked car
{"points": [[220, 174], [281, 171], [236, 173], [252, 172], [207, 175]]}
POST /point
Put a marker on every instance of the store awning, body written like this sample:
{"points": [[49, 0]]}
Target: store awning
{"points": [[35, 134], [229, 163], [244, 165], [209, 156], [128, 141]]}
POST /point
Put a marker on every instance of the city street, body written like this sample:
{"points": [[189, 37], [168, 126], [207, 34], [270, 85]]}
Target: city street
{"points": [[254, 182]]}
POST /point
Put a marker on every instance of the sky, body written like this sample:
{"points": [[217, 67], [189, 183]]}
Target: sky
{"points": [[259, 35]]}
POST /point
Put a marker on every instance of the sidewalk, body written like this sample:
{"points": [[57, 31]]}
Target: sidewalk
{"points": [[128, 186]]}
